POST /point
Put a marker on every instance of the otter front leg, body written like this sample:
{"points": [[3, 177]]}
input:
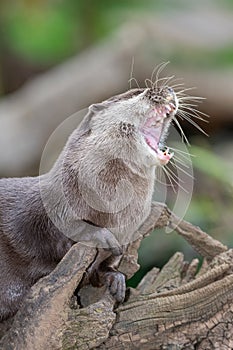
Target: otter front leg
{"points": [[101, 238], [103, 271]]}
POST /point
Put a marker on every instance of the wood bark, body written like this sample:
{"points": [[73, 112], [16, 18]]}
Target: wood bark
{"points": [[179, 307]]}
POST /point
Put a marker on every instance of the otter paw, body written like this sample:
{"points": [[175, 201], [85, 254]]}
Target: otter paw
{"points": [[115, 281], [108, 241], [100, 238]]}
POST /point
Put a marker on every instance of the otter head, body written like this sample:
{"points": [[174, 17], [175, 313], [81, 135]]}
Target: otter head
{"points": [[138, 122]]}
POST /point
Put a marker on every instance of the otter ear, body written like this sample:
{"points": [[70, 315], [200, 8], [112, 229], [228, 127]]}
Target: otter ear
{"points": [[97, 107], [85, 125]]}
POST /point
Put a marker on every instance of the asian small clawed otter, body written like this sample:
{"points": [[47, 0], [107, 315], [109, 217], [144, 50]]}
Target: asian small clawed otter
{"points": [[98, 191]]}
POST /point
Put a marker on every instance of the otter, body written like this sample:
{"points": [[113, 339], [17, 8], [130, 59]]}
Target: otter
{"points": [[99, 191]]}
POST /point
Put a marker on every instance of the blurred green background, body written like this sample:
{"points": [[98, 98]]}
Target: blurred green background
{"points": [[36, 36]]}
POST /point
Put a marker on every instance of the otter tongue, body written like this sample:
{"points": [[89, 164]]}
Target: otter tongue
{"points": [[153, 127], [152, 136], [152, 142]]}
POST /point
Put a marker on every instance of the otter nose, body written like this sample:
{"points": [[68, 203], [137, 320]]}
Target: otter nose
{"points": [[169, 94], [161, 95]]}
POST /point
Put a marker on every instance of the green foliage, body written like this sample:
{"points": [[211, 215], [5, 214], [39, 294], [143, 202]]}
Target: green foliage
{"points": [[47, 31], [40, 34], [211, 206], [214, 166]]}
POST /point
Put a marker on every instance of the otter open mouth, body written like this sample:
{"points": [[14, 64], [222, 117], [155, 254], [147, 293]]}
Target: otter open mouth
{"points": [[153, 129]]}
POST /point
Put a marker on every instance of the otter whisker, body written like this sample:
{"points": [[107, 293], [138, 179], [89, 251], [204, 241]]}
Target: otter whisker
{"points": [[135, 80], [154, 70], [179, 161], [173, 179], [189, 104], [131, 76], [183, 154], [186, 117], [170, 174], [162, 79], [172, 80], [186, 89], [195, 111], [149, 83], [160, 171], [159, 70], [183, 136], [184, 162], [175, 86], [190, 98], [174, 165], [168, 79]]}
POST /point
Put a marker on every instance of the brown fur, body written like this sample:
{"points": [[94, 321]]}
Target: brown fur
{"points": [[104, 176]]}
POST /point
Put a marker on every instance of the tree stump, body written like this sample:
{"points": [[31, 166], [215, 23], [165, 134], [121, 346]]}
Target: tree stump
{"points": [[179, 307]]}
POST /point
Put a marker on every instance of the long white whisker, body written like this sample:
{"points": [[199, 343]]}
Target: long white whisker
{"points": [[185, 116], [189, 104], [131, 74], [130, 82], [194, 110], [172, 173], [148, 83], [154, 70], [171, 82], [131, 78], [161, 79], [190, 98], [182, 153], [176, 86], [192, 113], [192, 106], [159, 175], [174, 179], [183, 136], [167, 81], [170, 179], [160, 69], [180, 161], [181, 169], [186, 89]]}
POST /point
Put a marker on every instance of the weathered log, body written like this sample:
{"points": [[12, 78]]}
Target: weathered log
{"points": [[178, 307]]}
